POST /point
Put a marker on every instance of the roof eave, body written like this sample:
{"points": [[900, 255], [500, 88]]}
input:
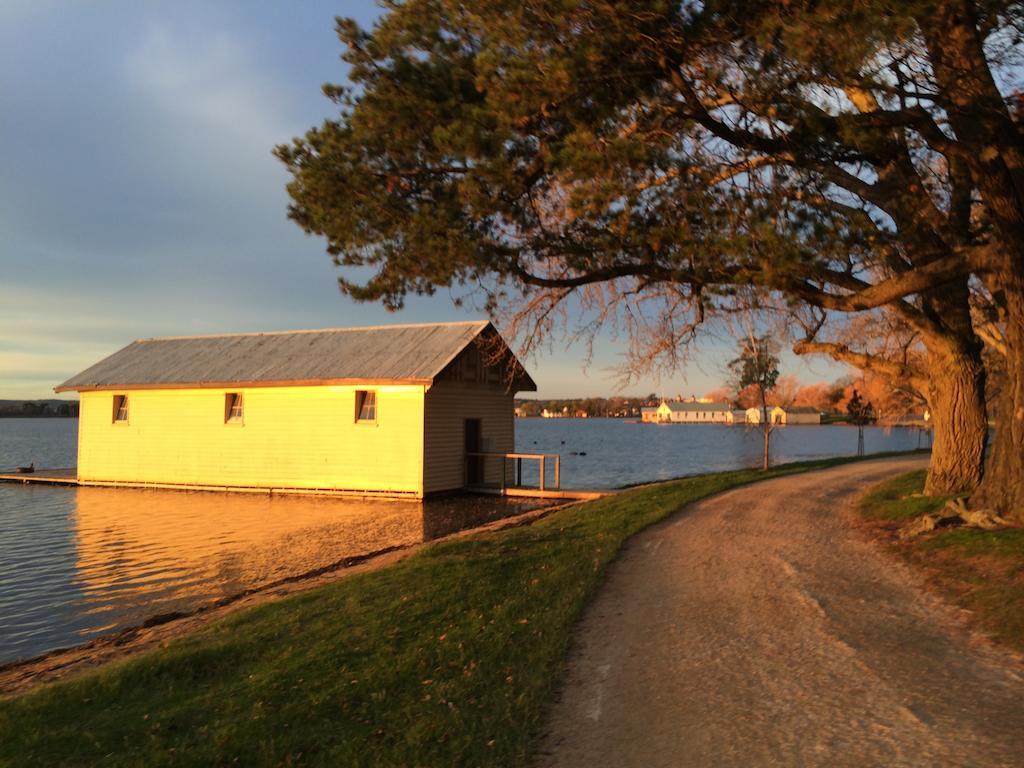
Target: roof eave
{"points": [[240, 384]]}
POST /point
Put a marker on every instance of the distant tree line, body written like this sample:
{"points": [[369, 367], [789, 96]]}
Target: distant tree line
{"points": [[21, 409], [890, 402], [591, 406]]}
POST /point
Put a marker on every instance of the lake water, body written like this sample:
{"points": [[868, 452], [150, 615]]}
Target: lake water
{"points": [[622, 453], [76, 563]]}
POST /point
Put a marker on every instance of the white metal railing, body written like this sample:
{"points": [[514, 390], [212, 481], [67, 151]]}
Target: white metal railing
{"points": [[544, 460]]}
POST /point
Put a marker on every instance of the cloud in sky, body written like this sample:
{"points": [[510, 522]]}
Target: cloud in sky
{"points": [[139, 196]]}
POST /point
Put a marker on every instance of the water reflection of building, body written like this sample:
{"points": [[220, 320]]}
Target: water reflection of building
{"points": [[153, 550], [391, 410]]}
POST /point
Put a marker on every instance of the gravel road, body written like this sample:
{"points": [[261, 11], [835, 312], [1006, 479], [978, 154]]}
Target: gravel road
{"points": [[759, 628]]}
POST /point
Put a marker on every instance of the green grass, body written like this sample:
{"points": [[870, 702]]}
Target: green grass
{"points": [[969, 542], [896, 500], [981, 571], [445, 658]]}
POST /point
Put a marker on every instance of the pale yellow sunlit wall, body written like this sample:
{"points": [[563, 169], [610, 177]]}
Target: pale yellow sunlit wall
{"points": [[290, 437]]}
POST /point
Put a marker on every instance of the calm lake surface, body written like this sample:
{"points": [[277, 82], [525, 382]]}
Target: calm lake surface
{"points": [[76, 563], [621, 453]]}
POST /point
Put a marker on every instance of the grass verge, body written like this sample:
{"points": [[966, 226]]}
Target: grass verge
{"points": [[981, 571], [445, 658]]}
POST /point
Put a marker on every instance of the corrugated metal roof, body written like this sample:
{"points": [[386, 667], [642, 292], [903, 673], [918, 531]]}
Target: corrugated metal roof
{"points": [[690, 407], [400, 353]]}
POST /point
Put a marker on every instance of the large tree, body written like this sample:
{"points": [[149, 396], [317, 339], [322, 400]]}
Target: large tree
{"points": [[643, 159]]}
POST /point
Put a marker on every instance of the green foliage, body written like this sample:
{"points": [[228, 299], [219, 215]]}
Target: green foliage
{"points": [[446, 658], [756, 366], [859, 410], [549, 145]]}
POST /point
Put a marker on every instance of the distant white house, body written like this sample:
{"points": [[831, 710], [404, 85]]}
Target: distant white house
{"points": [[694, 413], [649, 414], [779, 415]]}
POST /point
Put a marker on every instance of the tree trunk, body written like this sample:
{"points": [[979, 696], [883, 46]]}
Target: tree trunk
{"points": [[767, 454], [766, 430], [952, 380], [956, 400], [1002, 488], [992, 138]]}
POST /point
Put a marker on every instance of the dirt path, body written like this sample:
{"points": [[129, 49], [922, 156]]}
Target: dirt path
{"points": [[759, 628]]}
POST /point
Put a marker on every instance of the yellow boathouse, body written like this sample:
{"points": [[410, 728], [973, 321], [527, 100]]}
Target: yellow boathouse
{"points": [[388, 410]]}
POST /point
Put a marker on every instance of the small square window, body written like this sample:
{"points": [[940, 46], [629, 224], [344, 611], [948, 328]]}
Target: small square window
{"points": [[120, 409], [233, 411], [366, 405]]}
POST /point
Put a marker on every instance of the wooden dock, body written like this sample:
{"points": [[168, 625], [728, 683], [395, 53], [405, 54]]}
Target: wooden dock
{"points": [[69, 476], [65, 476], [567, 494], [510, 474]]}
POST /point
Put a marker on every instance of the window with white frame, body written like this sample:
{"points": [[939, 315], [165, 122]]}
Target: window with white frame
{"points": [[233, 408], [120, 409], [366, 405]]}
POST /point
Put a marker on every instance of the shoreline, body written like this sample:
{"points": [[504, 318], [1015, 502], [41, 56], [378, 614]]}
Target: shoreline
{"points": [[466, 638], [21, 675]]}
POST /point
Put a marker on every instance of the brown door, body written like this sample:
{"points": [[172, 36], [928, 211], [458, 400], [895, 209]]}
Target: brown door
{"points": [[473, 442]]}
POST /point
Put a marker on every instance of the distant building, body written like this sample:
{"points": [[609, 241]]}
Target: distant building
{"points": [[391, 410], [694, 413], [779, 415], [754, 415], [800, 415], [649, 414]]}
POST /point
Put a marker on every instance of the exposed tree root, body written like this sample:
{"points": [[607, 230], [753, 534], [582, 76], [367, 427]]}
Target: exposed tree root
{"points": [[956, 514]]}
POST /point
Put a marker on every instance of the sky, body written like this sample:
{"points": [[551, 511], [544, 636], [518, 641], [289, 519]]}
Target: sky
{"points": [[139, 196]]}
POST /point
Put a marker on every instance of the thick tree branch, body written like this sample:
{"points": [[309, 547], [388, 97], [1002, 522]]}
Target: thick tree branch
{"points": [[864, 361], [867, 296]]}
